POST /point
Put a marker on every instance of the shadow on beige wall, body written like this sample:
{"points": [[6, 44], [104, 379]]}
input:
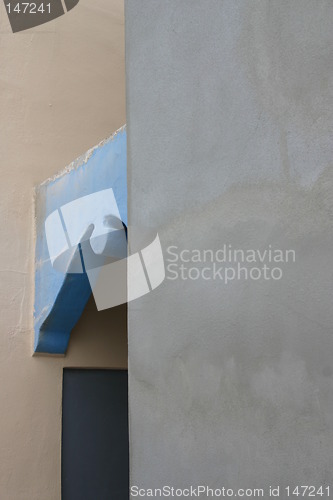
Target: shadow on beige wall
{"points": [[62, 90], [100, 337]]}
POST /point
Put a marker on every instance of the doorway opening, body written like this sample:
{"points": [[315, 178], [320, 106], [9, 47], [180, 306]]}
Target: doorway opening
{"points": [[95, 443]]}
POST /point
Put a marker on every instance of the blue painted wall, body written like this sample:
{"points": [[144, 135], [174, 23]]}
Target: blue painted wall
{"points": [[60, 298]]}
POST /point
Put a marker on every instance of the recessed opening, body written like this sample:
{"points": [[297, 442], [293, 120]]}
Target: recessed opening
{"points": [[95, 445]]}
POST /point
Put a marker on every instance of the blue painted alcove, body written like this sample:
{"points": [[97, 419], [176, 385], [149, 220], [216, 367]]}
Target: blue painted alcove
{"points": [[60, 297]]}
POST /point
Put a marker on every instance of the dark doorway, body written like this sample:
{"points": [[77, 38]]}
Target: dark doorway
{"points": [[95, 449]]}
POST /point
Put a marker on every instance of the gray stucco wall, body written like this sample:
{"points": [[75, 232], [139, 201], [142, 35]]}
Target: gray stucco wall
{"points": [[230, 120]]}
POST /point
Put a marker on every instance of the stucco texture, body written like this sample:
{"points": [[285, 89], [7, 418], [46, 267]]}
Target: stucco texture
{"points": [[230, 119], [62, 92]]}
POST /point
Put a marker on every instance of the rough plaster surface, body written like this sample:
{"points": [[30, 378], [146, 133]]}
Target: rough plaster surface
{"points": [[62, 91], [230, 120]]}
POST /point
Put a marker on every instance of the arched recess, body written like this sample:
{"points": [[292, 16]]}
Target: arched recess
{"points": [[62, 288]]}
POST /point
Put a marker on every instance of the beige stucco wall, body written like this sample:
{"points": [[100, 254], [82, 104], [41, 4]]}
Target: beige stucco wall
{"points": [[62, 90]]}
